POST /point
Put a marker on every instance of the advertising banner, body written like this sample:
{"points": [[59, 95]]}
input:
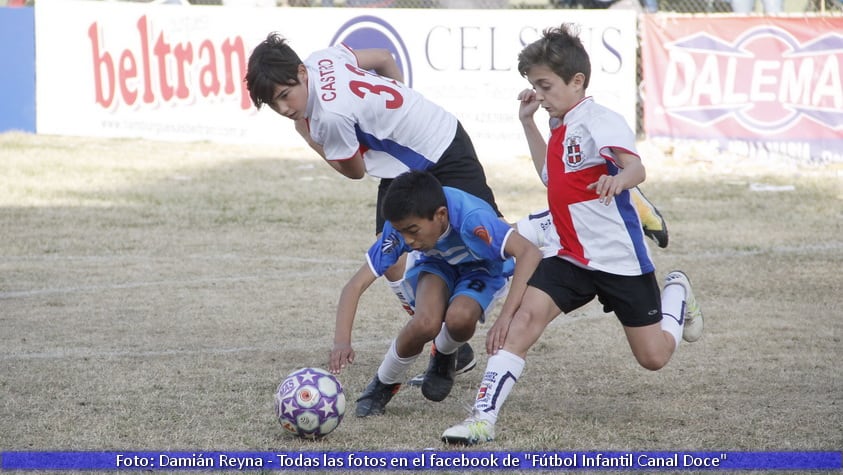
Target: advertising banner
{"points": [[123, 69], [17, 83], [759, 86]]}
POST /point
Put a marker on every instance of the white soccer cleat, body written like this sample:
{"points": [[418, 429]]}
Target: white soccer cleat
{"points": [[693, 329], [470, 432]]}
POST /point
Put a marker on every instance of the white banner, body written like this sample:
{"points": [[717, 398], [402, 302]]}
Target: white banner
{"points": [[124, 69]]}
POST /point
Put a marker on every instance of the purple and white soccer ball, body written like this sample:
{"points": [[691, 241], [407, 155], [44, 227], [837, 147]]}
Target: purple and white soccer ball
{"points": [[310, 403]]}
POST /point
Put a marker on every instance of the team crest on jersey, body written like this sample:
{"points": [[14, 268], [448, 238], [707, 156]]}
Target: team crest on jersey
{"points": [[481, 233], [391, 243], [573, 151]]}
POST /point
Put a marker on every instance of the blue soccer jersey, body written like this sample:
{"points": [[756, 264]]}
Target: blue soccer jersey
{"points": [[469, 257], [476, 238]]}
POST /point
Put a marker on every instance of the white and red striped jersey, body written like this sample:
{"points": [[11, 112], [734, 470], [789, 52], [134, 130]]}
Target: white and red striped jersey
{"points": [[592, 234], [395, 128]]}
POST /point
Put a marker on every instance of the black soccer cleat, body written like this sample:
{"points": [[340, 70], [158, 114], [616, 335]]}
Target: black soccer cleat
{"points": [[465, 359], [439, 377], [465, 363], [375, 397]]}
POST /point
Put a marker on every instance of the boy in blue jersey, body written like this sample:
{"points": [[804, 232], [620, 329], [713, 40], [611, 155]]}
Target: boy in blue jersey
{"points": [[464, 256]]}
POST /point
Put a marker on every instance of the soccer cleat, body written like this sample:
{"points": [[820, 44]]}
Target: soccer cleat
{"points": [[652, 221], [470, 432], [439, 377], [465, 363], [375, 397], [465, 359], [692, 331]]}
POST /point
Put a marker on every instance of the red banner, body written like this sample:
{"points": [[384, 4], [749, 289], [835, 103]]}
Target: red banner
{"points": [[753, 84]]}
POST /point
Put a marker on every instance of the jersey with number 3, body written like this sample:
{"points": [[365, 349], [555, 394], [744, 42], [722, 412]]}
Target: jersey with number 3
{"points": [[604, 237], [394, 128]]}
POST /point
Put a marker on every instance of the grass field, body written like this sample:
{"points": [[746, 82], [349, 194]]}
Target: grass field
{"points": [[152, 296]]}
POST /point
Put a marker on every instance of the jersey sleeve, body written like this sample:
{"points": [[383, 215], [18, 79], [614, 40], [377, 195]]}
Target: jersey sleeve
{"points": [[338, 138], [486, 234], [347, 52], [612, 131], [386, 250]]}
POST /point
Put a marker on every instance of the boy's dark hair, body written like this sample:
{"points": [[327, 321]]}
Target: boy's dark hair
{"points": [[561, 50], [271, 63], [414, 193]]}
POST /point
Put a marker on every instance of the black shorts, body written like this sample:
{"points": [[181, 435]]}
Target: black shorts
{"points": [[636, 300], [458, 167]]}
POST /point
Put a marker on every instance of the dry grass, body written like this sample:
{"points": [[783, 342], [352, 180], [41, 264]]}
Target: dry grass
{"points": [[152, 295]]}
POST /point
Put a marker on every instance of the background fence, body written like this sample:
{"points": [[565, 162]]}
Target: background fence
{"points": [[770, 100], [677, 6]]}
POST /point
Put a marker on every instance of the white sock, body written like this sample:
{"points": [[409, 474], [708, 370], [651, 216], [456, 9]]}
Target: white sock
{"points": [[393, 367], [445, 343], [673, 307], [404, 294], [502, 372]]}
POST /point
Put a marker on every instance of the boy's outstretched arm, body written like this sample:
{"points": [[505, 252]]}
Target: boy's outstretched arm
{"points": [[342, 352], [527, 257], [380, 61]]}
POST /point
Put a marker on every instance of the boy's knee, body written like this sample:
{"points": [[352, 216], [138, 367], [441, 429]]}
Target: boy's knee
{"points": [[461, 323], [524, 330], [522, 321], [652, 362], [425, 327]]}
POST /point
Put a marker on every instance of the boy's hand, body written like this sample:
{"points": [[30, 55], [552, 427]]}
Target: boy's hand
{"points": [[529, 104], [606, 187], [496, 336], [632, 174], [341, 354]]}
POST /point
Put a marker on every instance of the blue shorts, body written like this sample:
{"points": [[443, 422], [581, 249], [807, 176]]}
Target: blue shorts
{"points": [[473, 281]]}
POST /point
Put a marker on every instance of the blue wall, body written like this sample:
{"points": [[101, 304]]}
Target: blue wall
{"points": [[17, 69]]}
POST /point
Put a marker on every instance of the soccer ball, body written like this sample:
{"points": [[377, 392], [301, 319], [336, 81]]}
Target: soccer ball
{"points": [[310, 403]]}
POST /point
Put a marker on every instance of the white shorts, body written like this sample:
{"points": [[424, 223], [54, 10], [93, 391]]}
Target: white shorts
{"points": [[538, 228]]}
